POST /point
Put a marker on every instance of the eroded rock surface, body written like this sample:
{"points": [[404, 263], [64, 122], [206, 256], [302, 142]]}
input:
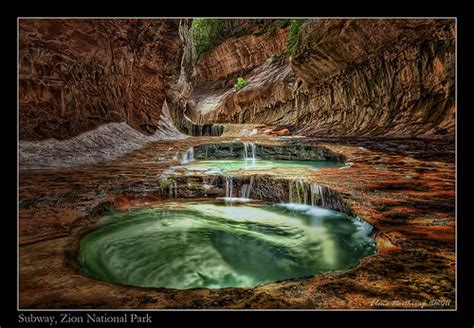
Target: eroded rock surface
{"points": [[106, 142], [77, 74], [347, 77]]}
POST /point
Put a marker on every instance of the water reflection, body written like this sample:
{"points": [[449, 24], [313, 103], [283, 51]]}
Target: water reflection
{"points": [[212, 245]]}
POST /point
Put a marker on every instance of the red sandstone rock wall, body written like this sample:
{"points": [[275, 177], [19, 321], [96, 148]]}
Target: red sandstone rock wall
{"points": [[245, 55], [348, 77], [374, 77], [239, 54], [75, 75]]}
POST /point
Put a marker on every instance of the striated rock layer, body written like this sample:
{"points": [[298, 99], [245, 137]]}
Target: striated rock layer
{"points": [[347, 78], [77, 74], [214, 99], [107, 142]]}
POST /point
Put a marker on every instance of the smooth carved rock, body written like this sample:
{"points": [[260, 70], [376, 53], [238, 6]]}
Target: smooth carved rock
{"points": [[75, 75], [348, 77], [267, 98], [377, 77], [239, 54]]}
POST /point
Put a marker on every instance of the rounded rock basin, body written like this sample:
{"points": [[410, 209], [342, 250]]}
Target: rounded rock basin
{"points": [[214, 245]]}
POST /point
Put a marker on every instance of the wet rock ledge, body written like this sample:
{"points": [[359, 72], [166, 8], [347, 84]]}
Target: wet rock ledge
{"points": [[291, 150]]}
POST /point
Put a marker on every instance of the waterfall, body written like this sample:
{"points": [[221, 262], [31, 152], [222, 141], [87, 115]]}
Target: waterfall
{"points": [[243, 195], [188, 156], [253, 149], [173, 189], [316, 194], [171, 185], [228, 186], [365, 226], [290, 192], [321, 195], [246, 189], [298, 192], [217, 130]]}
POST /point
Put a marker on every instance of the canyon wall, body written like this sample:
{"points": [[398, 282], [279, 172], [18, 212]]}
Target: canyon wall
{"points": [[346, 78], [247, 54], [78, 74]]}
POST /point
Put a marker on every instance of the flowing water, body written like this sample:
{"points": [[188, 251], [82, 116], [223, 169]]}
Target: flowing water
{"points": [[188, 156], [253, 150], [212, 245]]}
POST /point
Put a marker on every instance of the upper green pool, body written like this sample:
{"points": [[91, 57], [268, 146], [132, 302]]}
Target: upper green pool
{"points": [[264, 165], [214, 245]]}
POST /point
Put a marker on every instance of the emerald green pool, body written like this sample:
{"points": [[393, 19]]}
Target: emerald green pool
{"points": [[214, 245], [248, 164]]}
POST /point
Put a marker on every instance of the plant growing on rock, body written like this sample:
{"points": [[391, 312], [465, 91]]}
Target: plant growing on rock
{"points": [[241, 82], [293, 30], [293, 26], [206, 34], [166, 183]]}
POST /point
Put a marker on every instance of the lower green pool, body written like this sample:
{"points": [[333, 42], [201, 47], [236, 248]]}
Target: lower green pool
{"points": [[214, 245]]}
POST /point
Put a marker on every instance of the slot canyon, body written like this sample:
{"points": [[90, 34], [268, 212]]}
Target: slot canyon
{"points": [[237, 163]]}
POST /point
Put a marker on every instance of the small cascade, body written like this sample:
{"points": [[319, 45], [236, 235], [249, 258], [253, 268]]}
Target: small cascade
{"points": [[173, 190], [228, 186], [252, 146], [321, 195], [316, 194], [217, 130], [365, 226], [246, 188], [171, 185], [188, 156], [298, 192], [301, 192], [210, 130], [242, 195]]}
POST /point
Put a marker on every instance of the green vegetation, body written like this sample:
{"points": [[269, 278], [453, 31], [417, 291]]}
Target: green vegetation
{"points": [[206, 33], [293, 30], [293, 26], [241, 82], [166, 183]]}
